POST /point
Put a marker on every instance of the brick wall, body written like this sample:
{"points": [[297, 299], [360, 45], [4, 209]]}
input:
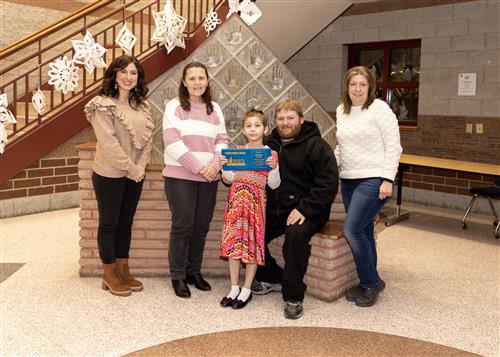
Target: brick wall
{"points": [[331, 267], [45, 176], [444, 180]]}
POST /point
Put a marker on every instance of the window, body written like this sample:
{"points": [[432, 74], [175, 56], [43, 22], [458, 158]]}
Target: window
{"points": [[396, 65]]}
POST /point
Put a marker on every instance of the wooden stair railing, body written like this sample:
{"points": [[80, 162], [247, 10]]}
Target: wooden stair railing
{"points": [[26, 62]]}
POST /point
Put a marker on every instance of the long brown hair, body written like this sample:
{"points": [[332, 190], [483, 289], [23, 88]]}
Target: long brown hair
{"points": [[372, 87], [137, 95], [184, 94]]}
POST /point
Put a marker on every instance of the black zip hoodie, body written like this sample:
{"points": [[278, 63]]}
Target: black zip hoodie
{"points": [[309, 174]]}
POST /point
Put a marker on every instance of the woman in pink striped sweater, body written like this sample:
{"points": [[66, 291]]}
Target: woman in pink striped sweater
{"points": [[194, 133]]}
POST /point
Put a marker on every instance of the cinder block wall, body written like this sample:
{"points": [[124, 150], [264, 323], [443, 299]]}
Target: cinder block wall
{"points": [[457, 36]]}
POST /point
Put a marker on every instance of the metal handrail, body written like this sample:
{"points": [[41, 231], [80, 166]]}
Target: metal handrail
{"points": [[34, 64], [64, 22]]}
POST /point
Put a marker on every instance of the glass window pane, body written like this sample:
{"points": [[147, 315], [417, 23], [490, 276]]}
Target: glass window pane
{"points": [[404, 103], [405, 64], [373, 59]]}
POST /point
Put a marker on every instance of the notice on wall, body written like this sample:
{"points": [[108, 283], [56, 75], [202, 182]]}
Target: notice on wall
{"points": [[467, 83]]}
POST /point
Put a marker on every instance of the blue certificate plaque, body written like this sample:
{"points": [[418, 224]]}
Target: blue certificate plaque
{"points": [[253, 159]]}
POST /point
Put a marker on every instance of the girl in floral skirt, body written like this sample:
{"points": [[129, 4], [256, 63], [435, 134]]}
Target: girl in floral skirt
{"points": [[244, 216]]}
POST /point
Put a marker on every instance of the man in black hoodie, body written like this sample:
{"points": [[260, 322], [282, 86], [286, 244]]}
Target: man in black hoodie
{"points": [[299, 207]]}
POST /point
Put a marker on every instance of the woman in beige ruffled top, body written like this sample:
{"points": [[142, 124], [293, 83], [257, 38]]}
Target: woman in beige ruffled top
{"points": [[123, 125]]}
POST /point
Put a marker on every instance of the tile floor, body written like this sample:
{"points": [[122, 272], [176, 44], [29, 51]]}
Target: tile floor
{"points": [[442, 287]]}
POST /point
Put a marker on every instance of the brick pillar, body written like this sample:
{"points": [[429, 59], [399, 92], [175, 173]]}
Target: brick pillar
{"points": [[331, 268]]}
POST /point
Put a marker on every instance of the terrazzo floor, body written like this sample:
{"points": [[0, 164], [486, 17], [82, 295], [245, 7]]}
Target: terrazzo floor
{"points": [[442, 287]]}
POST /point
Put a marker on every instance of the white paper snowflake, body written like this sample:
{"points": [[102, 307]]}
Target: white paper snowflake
{"points": [[249, 12], [126, 39], [63, 75], [3, 138], [211, 21], [89, 53], [6, 117], [38, 101], [169, 28], [234, 7]]}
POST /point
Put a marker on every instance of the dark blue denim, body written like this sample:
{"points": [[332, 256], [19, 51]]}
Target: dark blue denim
{"points": [[362, 204]]}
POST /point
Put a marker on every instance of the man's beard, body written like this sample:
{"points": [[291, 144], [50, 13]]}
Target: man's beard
{"points": [[290, 133]]}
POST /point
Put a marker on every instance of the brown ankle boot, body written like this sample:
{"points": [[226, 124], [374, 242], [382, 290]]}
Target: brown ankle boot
{"points": [[133, 284], [112, 281]]}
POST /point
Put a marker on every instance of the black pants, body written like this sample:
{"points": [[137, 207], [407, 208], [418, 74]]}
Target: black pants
{"points": [[296, 252], [117, 200], [192, 206]]}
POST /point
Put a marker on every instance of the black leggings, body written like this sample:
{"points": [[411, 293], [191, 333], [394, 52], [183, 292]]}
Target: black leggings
{"points": [[117, 200]]}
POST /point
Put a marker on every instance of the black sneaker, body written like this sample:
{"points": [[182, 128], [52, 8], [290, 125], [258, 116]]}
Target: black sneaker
{"points": [[293, 309], [353, 293], [369, 296], [263, 288]]}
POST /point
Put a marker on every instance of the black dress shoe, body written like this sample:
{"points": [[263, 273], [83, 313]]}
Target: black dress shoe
{"points": [[238, 304], [199, 282], [226, 301], [181, 289]]}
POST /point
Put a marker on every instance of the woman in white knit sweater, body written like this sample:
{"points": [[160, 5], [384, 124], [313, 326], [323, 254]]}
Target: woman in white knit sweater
{"points": [[368, 153]]}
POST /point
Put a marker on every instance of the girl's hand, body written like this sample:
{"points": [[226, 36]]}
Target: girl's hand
{"points": [[272, 162], [385, 190], [222, 160]]}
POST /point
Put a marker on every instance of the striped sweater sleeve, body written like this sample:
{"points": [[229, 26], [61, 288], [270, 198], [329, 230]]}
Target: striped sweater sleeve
{"points": [[172, 139], [221, 140]]}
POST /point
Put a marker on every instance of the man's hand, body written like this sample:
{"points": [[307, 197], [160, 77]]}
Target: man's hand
{"points": [[294, 217], [385, 190]]}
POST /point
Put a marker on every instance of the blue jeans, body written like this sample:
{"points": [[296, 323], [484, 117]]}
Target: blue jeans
{"points": [[362, 204]]}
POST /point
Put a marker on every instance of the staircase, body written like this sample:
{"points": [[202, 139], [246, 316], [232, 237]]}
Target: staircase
{"points": [[25, 66]]}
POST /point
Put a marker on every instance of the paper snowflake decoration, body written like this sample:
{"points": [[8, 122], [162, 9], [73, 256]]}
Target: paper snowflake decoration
{"points": [[6, 117], [249, 12], [234, 7], [89, 53], [126, 39], [3, 138], [169, 28], [38, 101], [211, 21], [63, 75]]}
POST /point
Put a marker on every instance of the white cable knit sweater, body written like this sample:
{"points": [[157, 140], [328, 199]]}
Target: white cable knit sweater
{"points": [[368, 143]]}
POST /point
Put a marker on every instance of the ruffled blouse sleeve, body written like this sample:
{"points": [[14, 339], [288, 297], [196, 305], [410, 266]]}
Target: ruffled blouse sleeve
{"points": [[146, 137], [101, 112]]}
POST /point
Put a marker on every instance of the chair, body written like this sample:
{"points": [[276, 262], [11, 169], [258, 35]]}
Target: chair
{"points": [[488, 192]]}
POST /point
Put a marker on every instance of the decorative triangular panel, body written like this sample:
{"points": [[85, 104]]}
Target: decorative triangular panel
{"points": [[244, 74]]}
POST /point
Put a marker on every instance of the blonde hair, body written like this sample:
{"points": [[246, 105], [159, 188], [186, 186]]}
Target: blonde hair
{"points": [[372, 87], [292, 105]]}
